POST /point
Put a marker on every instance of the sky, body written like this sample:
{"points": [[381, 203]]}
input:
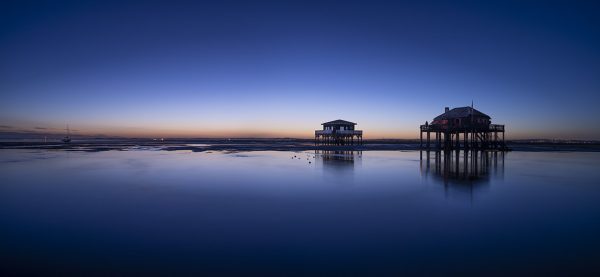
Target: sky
{"points": [[281, 68]]}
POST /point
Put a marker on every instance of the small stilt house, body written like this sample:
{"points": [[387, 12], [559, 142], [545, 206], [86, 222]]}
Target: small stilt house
{"points": [[338, 132]]}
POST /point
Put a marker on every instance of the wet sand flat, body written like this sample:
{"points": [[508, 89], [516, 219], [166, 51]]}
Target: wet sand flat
{"points": [[315, 212]]}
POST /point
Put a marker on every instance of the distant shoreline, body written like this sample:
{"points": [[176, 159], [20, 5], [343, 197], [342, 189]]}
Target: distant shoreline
{"points": [[243, 145]]}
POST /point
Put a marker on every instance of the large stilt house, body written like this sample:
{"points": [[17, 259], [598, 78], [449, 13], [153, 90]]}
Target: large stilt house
{"points": [[475, 127]]}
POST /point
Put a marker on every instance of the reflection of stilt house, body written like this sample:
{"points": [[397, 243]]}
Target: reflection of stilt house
{"points": [[473, 126], [338, 156], [338, 164], [338, 132], [462, 172], [469, 167]]}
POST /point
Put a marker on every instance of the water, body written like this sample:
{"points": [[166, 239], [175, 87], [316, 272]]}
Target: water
{"points": [[374, 212]]}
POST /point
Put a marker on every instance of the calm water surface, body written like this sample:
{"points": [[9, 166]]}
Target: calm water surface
{"points": [[157, 212]]}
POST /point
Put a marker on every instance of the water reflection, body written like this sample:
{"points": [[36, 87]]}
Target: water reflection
{"points": [[463, 168], [338, 160], [198, 213]]}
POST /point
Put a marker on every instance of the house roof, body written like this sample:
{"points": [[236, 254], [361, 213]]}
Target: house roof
{"points": [[339, 122], [461, 112]]}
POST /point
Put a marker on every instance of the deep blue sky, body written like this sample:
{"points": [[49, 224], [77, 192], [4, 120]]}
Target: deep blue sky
{"points": [[244, 68]]}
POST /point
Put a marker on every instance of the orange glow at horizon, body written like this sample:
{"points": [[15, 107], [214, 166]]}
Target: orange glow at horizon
{"points": [[268, 131]]}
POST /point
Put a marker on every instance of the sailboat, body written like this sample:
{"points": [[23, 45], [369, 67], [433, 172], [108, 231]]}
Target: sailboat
{"points": [[67, 138]]}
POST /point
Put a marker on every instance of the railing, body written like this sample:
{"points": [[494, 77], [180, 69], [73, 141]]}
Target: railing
{"points": [[496, 127], [339, 132], [443, 128], [347, 132], [429, 128]]}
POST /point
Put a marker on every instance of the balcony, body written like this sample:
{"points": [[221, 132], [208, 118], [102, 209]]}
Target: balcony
{"points": [[479, 128], [338, 132], [496, 128]]}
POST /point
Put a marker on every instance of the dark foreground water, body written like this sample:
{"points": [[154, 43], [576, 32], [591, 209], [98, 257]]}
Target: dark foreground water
{"points": [[147, 212]]}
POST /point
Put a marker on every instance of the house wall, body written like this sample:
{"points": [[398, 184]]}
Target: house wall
{"points": [[338, 127], [461, 122]]}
